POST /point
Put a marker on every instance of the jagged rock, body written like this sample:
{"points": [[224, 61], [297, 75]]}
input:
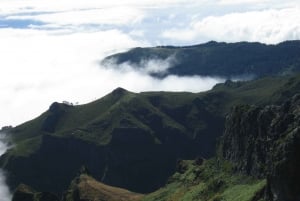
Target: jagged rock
{"points": [[199, 160], [265, 142], [84, 170], [56, 110], [181, 166]]}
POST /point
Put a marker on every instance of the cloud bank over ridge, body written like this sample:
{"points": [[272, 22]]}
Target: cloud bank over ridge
{"points": [[51, 50], [62, 67]]}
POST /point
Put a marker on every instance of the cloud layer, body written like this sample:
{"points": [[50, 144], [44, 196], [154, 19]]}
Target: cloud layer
{"points": [[5, 194], [46, 66], [267, 26]]}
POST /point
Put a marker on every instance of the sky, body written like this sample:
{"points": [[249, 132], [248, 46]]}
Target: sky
{"points": [[51, 50]]}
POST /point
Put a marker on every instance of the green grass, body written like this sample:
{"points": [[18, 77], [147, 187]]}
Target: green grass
{"points": [[212, 181], [22, 148], [243, 192]]}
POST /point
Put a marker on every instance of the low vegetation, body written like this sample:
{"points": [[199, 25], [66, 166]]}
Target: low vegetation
{"points": [[214, 180]]}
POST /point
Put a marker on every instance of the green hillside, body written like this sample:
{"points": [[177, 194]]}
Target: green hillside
{"points": [[130, 140], [211, 180]]}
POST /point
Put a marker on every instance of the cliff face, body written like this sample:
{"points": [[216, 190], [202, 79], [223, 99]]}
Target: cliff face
{"points": [[265, 142], [142, 167]]}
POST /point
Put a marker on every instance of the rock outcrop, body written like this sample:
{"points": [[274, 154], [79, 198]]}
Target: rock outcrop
{"points": [[265, 142], [26, 193]]}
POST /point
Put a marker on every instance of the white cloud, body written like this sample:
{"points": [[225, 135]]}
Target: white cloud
{"points": [[149, 66], [40, 67], [5, 194], [231, 2], [20, 6], [112, 16], [268, 26]]}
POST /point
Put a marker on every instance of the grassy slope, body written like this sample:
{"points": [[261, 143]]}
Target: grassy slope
{"points": [[212, 181], [95, 121], [87, 188]]}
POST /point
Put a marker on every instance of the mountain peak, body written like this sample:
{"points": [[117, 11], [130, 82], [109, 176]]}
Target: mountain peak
{"points": [[119, 91]]}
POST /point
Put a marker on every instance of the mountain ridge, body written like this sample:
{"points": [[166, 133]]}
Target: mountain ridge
{"points": [[124, 130], [216, 59]]}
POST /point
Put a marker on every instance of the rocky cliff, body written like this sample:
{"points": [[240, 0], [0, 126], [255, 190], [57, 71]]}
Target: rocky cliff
{"points": [[265, 142]]}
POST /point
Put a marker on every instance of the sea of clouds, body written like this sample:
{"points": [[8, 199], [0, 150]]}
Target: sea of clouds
{"points": [[50, 51]]}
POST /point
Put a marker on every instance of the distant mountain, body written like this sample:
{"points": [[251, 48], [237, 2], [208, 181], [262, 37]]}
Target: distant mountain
{"points": [[130, 140], [218, 59]]}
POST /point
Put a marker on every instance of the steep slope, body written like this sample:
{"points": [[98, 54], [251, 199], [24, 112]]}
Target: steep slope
{"points": [[218, 59], [258, 159], [265, 142], [129, 140], [128, 143], [211, 180]]}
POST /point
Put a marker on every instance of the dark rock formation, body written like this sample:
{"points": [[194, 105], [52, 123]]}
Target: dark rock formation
{"points": [[25, 193], [56, 111], [265, 142], [141, 167]]}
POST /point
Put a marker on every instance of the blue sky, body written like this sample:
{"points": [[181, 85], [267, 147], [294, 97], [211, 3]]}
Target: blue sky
{"points": [[171, 22], [50, 50]]}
